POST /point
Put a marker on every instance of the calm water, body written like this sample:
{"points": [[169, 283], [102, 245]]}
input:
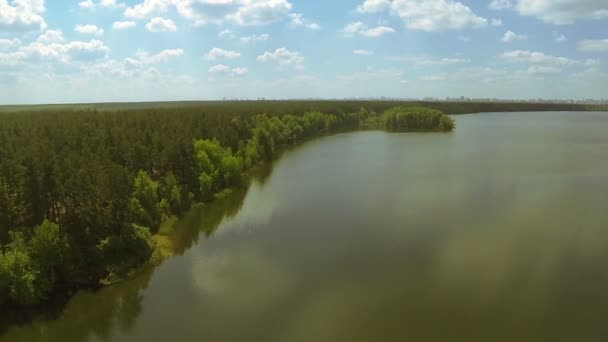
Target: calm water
{"points": [[497, 232]]}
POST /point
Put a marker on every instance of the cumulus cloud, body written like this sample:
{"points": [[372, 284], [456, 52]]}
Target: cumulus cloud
{"points": [[256, 38], [89, 4], [426, 61], [123, 25], [141, 65], [89, 29], [428, 15], [498, 5], [217, 53], [373, 6], [221, 69], [563, 12], [540, 63], [589, 45], [160, 57], [284, 58], [22, 15], [159, 24], [511, 36], [241, 12], [260, 12], [51, 36], [148, 9], [534, 58], [227, 34], [297, 19], [65, 52], [363, 30], [6, 44]]}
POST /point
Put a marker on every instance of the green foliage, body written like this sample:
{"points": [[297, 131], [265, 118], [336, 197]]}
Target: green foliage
{"points": [[145, 201], [48, 245], [24, 285], [403, 119], [123, 252]]}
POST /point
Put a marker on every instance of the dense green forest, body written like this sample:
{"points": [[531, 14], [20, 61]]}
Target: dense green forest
{"points": [[83, 190], [406, 119]]}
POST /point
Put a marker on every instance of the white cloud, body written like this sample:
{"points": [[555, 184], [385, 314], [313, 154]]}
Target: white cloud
{"points": [[159, 24], [511, 36], [563, 11], [428, 15], [9, 43], [560, 38], [424, 61], [496, 22], [363, 52], [256, 38], [437, 15], [221, 69], [111, 3], [297, 19], [226, 34], [141, 66], [239, 71], [284, 58], [241, 12], [22, 15], [65, 52], [260, 12], [362, 29], [51, 36], [217, 53], [498, 5], [160, 57], [373, 6], [123, 25], [534, 58], [148, 8], [89, 29], [89, 4], [377, 31], [589, 45]]}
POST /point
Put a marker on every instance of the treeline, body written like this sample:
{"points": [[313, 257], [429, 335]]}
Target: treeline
{"points": [[405, 119], [81, 193], [299, 107]]}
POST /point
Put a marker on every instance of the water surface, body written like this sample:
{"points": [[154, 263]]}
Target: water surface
{"points": [[496, 232]]}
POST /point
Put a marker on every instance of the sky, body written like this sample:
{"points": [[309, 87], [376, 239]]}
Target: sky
{"points": [[68, 51]]}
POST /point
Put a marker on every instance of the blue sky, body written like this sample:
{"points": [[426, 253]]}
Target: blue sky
{"points": [[157, 50]]}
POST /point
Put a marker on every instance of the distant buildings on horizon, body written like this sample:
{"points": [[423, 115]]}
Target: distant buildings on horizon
{"points": [[434, 99]]}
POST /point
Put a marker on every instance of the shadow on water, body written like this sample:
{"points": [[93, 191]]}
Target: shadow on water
{"points": [[99, 313]]}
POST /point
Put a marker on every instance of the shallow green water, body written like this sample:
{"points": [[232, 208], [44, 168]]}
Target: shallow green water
{"points": [[497, 232]]}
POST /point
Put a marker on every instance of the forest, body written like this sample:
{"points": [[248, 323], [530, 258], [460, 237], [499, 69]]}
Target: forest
{"points": [[83, 190]]}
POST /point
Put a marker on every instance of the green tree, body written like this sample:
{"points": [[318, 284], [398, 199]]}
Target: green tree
{"points": [[145, 201], [48, 247], [24, 285]]}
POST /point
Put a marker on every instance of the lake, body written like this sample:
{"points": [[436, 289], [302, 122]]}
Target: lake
{"points": [[496, 232]]}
